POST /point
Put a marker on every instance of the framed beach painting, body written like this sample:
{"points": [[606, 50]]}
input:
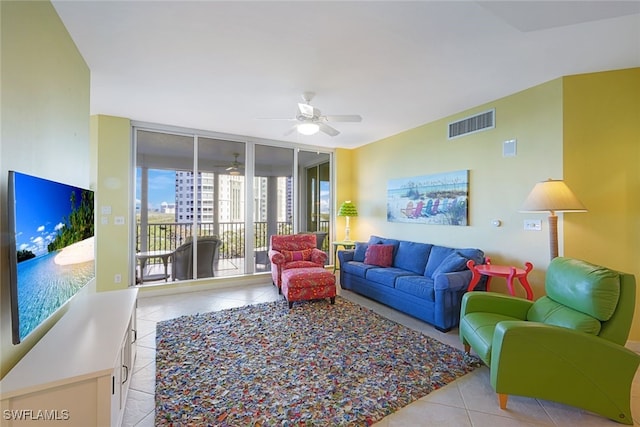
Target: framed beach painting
{"points": [[441, 199]]}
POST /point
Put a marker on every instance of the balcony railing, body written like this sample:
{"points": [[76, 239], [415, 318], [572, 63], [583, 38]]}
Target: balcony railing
{"points": [[168, 236]]}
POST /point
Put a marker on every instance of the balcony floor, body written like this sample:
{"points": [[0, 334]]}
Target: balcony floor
{"points": [[154, 273]]}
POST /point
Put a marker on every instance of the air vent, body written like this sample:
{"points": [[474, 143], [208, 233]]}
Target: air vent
{"points": [[477, 123]]}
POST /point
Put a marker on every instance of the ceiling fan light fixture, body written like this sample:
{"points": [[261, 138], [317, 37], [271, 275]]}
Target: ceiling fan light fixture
{"points": [[308, 128], [234, 172]]}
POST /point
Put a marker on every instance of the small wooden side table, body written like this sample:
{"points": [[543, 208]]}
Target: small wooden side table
{"points": [[345, 244], [507, 272]]}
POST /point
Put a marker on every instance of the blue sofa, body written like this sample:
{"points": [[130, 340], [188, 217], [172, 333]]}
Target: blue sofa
{"points": [[423, 280]]}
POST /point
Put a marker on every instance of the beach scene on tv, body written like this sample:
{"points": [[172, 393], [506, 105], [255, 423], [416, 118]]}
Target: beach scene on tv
{"points": [[54, 246]]}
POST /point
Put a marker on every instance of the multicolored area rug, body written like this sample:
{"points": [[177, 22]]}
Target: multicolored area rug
{"points": [[316, 364]]}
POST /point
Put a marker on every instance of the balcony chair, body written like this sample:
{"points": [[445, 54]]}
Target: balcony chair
{"points": [[567, 346], [320, 237], [208, 256], [293, 251]]}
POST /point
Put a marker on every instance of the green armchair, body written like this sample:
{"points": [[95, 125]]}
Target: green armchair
{"points": [[567, 346]]}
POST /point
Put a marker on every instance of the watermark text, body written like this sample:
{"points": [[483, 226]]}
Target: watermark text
{"points": [[36, 414]]}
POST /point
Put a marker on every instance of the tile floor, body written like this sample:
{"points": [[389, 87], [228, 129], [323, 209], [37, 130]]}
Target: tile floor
{"points": [[468, 401]]}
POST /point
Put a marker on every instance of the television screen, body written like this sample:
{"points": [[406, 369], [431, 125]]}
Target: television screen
{"points": [[52, 249]]}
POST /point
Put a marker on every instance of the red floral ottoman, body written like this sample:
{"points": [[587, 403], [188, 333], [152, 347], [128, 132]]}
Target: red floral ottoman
{"points": [[302, 284]]}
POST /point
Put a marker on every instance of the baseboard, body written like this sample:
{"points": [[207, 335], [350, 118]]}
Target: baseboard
{"points": [[202, 285], [633, 346]]}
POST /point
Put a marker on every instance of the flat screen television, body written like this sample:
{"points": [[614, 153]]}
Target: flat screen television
{"points": [[51, 228]]}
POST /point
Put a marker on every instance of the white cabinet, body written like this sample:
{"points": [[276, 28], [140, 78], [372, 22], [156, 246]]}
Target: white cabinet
{"points": [[121, 376], [79, 372]]}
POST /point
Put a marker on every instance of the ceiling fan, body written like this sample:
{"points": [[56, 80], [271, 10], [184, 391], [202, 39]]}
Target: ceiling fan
{"points": [[311, 120], [235, 166]]}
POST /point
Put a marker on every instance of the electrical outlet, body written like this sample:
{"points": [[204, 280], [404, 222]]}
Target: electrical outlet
{"points": [[119, 220], [117, 278], [533, 224]]}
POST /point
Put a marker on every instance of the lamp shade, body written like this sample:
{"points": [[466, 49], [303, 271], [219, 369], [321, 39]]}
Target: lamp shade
{"points": [[348, 209], [552, 196]]}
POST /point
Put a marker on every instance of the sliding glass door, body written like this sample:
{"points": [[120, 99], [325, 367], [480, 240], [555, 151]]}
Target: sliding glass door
{"points": [[164, 172], [221, 200], [207, 207], [273, 199], [315, 196]]}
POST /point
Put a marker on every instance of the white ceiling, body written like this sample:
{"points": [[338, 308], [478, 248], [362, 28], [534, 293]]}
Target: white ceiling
{"points": [[225, 66]]}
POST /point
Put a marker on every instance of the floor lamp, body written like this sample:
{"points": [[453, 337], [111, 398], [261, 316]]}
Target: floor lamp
{"points": [[552, 196], [347, 209]]}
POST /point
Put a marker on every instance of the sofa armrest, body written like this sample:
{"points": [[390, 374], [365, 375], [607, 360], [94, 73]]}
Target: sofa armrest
{"points": [[319, 257], [346, 255], [491, 302], [276, 257], [554, 363], [455, 281]]}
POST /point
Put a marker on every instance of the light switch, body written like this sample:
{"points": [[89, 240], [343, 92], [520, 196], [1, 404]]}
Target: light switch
{"points": [[509, 148], [533, 224], [118, 220]]}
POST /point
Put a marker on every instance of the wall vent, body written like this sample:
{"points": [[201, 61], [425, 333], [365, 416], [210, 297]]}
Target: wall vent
{"points": [[479, 122]]}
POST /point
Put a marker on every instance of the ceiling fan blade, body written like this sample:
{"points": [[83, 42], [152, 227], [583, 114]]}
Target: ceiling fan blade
{"points": [[289, 119], [344, 118], [291, 130], [306, 110], [308, 96], [328, 129]]}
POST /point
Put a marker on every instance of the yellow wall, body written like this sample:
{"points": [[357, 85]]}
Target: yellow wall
{"points": [[602, 161], [584, 129], [111, 143], [344, 178], [498, 185], [45, 125]]}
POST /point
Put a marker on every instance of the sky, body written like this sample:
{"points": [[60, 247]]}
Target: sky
{"points": [[162, 187], [41, 208]]}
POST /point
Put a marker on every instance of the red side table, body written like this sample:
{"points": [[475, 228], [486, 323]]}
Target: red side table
{"points": [[508, 273]]}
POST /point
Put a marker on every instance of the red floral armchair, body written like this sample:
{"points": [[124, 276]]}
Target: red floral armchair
{"points": [[293, 251]]}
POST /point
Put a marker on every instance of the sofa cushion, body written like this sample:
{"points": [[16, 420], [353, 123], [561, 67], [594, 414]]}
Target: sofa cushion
{"points": [[360, 251], [380, 255], [588, 288], [439, 253], [303, 255], [412, 256], [299, 264], [546, 310], [418, 286], [377, 240], [472, 253], [386, 276], [452, 262], [436, 256], [356, 268]]}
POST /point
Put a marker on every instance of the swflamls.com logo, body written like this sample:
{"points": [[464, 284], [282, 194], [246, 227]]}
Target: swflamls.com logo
{"points": [[35, 414]]}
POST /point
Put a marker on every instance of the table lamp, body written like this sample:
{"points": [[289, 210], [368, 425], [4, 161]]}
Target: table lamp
{"points": [[347, 209], [552, 196]]}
